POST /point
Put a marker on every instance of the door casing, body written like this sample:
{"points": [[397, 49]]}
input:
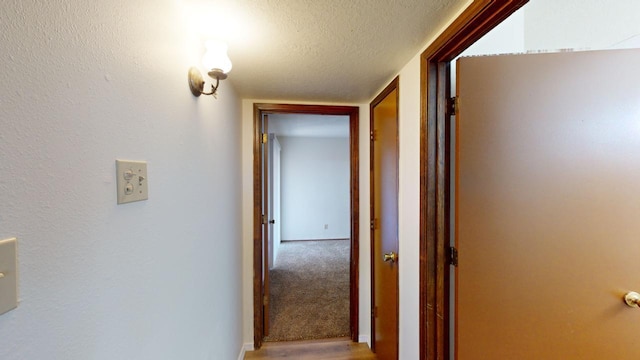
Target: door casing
{"points": [[259, 109], [435, 134]]}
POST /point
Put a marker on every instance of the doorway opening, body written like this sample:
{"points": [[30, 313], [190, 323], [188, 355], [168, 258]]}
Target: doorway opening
{"points": [[436, 189], [435, 161], [309, 241], [335, 241]]}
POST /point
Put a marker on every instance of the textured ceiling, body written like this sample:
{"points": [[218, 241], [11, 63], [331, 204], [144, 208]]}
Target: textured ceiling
{"points": [[321, 50]]}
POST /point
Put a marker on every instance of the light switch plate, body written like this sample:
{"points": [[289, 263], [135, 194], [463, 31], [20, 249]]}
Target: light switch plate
{"points": [[9, 275], [131, 179]]}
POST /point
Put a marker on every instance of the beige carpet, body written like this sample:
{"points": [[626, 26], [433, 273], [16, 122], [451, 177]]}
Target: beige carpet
{"points": [[309, 291]]}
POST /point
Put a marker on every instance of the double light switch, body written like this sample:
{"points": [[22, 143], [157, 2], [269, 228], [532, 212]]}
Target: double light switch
{"points": [[131, 181]]}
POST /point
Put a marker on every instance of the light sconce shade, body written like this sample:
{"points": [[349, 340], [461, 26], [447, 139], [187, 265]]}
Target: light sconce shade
{"points": [[218, 64], [216, 56]]}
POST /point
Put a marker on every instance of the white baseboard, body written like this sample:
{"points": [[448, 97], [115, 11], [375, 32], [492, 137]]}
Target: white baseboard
{"points": [[246, 347], [364, 339]]}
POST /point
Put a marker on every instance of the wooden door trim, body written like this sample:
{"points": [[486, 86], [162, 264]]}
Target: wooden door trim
{"points": [[393, 85], [435, 133], [264, 224], [353, 112]]}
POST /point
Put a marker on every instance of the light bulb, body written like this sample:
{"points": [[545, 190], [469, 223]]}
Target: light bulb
{"points": [[216, 56]]}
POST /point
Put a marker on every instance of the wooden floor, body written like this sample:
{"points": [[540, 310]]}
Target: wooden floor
{"points": [[341, 349]]}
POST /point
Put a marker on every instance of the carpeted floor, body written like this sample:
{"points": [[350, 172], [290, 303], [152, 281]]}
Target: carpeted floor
{"points": [[309, 291]]}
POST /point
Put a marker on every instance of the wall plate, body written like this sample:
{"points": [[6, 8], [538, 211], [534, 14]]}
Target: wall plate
{"points": [[131, 180], [9, 275]]}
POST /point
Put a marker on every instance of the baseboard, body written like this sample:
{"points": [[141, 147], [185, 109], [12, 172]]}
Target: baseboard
{"points": [[246, 347], [364, 339]]}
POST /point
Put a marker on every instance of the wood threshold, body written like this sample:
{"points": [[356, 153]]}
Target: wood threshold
{"points": [[336, 349], [353, 112], [435, 133]]}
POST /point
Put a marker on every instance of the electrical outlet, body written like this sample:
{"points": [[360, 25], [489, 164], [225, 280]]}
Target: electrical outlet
{"points": [[8, 275], [131, 181]]}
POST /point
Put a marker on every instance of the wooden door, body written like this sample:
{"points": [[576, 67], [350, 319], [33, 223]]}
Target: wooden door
{"points": [[548, 206], [274, 199], [384, 223], [266, 206]]}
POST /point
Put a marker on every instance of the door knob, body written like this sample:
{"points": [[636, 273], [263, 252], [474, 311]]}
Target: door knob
{"points": [[273, 221], [393, 257], [632, 299]]}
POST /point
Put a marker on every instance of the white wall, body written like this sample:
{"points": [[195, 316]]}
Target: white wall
{"points": [[549, 25], [581, 24], [364, 273], [506, 38], [315, 188], [409, 209], [84, 83]]}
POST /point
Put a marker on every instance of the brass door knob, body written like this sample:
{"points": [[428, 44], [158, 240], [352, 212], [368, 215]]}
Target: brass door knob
{"points": [[393, 257], [632, 299]]}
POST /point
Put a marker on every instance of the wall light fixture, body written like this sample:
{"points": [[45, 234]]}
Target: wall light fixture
{"points": [[217, 61]]}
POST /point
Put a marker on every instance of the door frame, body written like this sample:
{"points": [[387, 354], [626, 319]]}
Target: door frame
{"points": [[393, 85], [259, 109], [435, 134]]}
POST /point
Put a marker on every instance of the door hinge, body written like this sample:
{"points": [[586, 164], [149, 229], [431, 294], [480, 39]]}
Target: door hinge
{"points": [[374, 224], [371, 224], [452, 106], [373, 135], [374, 312], [265, 138], [265, 300], [453, 256], [263, 221]]}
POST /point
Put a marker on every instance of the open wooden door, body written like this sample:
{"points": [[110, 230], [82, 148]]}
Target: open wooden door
{"points": [[274, 199], [266, 206], [384, 223], [548, 206]]}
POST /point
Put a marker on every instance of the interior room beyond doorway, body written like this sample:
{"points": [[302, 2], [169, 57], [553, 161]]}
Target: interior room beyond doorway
{"points": [[309, 250], [341, 247]]}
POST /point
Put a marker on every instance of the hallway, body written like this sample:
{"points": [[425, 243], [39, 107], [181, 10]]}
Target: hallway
{"points": [[330, 349]]}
